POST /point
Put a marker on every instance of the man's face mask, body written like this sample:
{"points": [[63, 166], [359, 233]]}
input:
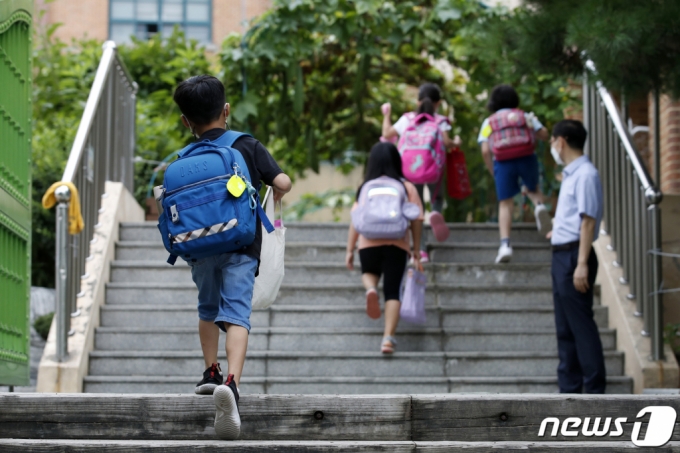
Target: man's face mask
{"points": [[556, 154], [190, 127]]}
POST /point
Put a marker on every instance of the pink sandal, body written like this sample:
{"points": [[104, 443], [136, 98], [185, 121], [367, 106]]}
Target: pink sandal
{"points": [[388, 344], [372, 304], [439, 228]]}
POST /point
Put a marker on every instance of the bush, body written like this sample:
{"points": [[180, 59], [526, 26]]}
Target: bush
{"points": [[42, 325]]}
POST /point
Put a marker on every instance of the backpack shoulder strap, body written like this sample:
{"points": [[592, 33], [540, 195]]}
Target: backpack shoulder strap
{"points": [[230, 137]]}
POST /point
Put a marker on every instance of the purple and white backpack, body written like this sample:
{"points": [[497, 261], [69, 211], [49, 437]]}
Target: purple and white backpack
{"points": [[383, 210], [422, 150]]}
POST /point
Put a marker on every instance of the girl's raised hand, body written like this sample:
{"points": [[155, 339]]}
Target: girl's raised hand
{"points": [[386, 108]]}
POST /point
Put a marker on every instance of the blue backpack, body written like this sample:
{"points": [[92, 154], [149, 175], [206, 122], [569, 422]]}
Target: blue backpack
{"points": [[200, 216]]}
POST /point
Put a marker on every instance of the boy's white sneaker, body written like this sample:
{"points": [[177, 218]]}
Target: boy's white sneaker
{"points": [[227, 417], [504, 254], [543, 219]]}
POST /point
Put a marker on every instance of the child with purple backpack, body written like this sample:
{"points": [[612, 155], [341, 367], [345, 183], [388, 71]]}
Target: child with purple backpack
{"points": [[408, 128], [387, 211]]}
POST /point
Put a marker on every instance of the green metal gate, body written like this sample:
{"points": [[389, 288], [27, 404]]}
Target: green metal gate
{"points": [[15, 189]]}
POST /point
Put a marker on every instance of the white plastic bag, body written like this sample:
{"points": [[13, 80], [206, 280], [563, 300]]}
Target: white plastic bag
{"points": [[268, 282]]}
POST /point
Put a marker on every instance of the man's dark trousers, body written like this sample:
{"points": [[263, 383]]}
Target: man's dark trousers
{"points": [[578, 340]]}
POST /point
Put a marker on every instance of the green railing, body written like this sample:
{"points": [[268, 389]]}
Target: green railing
{"points": [[15, 189]]}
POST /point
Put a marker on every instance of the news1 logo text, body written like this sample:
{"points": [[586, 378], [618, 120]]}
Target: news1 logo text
{"points": [[659, 427]]}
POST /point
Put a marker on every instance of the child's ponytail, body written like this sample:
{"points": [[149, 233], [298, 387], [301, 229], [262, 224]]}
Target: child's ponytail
{"points": [[426, 106], [429, 94]]}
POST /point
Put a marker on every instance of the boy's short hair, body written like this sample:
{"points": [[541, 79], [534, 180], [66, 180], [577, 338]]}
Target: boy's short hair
{"points": [[573, 132], [503, 97], [200, 98]]}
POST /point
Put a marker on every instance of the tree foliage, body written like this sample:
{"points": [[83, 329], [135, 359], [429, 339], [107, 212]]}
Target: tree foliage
{"points": [[63, 76], [61, 81], [633, 44], [310, 76]]}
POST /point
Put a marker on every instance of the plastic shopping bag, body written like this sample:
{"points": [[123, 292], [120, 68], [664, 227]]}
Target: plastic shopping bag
{"points": [[268, 282], [413, 297], [458, 182]]}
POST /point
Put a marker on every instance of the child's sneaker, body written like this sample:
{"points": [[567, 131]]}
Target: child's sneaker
{"points": [[543, 220], [212, 377], [227, 417], [504, 254], [424, 257], [372, 304], [439, 228]]}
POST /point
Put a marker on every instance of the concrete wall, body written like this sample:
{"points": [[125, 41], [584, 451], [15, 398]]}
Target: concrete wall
{"points": [[328, 178], [637, 349]]}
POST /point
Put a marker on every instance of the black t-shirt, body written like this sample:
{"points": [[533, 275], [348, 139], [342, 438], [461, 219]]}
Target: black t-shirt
{"points": [[262, 168]]}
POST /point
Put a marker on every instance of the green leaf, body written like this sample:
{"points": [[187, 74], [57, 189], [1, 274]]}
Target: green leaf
{"points": [[246, 107]]}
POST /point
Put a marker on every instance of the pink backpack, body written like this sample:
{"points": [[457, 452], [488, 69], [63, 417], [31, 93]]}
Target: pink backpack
{"points": [[511, 137], [422, 150]]}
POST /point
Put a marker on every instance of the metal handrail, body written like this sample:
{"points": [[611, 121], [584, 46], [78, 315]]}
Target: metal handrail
{"points": [[103, 150], [631, 209]]}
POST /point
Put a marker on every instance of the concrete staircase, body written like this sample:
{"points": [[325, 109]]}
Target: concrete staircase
{"points": [[490, 327]]}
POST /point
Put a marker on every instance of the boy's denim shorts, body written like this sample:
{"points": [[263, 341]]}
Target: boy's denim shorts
{"points": [[509, 172], [225, 288]]}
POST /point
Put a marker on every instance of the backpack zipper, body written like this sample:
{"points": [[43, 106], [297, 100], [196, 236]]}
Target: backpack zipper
{"points": [[200, 201], [196, 184]]}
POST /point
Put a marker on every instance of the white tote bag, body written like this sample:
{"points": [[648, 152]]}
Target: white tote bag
{"points": [[268, 282]]}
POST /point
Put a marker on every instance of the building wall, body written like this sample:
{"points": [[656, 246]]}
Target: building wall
{"points": [[90, 18], [231, 16], [670, 144], [79, 18]]}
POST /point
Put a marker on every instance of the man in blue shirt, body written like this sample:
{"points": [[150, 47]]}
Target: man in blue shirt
{"points": [[574, 263]]}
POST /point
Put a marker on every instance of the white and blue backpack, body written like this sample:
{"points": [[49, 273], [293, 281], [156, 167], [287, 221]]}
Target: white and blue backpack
{"points": [[201, 217]]}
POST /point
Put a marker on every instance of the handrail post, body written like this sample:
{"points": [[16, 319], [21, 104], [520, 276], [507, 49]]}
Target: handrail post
{"points": [[63, 196], [656, 312]]}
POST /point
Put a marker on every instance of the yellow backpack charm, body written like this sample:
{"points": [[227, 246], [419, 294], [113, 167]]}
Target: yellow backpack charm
{"points": [[236, 186]]}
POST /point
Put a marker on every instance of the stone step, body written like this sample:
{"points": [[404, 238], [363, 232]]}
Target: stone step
{"points": [[337, 232], [339, 339], [460, 232], [480, 252], [461, 274], [393, 418], [472, 273], [510, 317], [334, 252], [350, 385], [342, 294], [303, 251], [369, 364], [355, 316]]}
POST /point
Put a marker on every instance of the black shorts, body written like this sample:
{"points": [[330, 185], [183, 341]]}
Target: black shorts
{"points": [[385, 259]]}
